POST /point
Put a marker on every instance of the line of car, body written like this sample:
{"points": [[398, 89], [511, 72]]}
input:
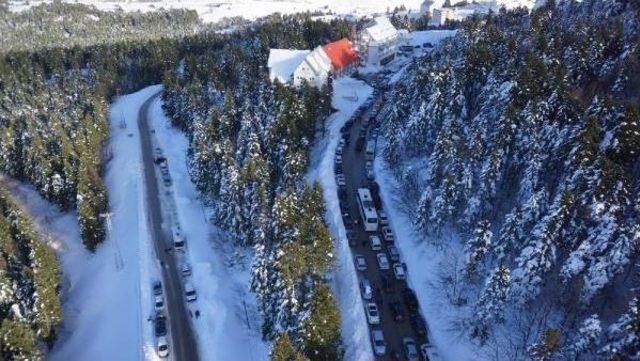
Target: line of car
{"points": [[179, 244], [389, 261]]}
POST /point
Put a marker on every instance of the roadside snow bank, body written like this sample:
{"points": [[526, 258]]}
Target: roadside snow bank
{"points": [[348, 95]]}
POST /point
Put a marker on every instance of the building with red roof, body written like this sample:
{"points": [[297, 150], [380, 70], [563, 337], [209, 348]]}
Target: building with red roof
{"points": [[343, 55]]}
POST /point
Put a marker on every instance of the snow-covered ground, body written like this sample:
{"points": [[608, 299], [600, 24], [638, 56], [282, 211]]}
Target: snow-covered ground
{"points": [[228, 328], [348, 95], [426, 265], [215, 10]]}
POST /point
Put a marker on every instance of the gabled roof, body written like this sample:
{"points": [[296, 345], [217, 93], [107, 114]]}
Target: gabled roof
{"points": [[318, 61], [382, 29], [283, 62], [341, 53]]}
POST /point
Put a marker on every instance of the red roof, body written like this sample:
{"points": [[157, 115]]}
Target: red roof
{"points": [[341, 53]]}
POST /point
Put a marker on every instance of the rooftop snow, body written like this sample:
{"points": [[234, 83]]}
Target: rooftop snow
{"points": [[282, 63]]}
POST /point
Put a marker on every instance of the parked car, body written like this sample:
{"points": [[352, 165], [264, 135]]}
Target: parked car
{"points": [[398, 271], [382, 218], [365, 289], [190, 292], [410, 300], [361, 263], [429, 353], [342, 194], [351, 238], [185, 269], [157, 288], [369, 173], [378, 343], [159, 303], [160, 325], [360, 144], [339, 150], [383, 261], [163, 347], [396, 311], [375, 242], [393, 253], [373, 316], [410, 349], [387, 234], [387, 284], [341, 181], [346, 218], [418, 325]]}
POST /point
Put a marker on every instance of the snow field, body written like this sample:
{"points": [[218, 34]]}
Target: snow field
{"points": [[348, 95]]}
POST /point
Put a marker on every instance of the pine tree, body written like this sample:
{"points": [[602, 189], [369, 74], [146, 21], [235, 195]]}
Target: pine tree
{"points": [[284, 350], [547, 347], [623, 339], [477, 246], [323, 341]]}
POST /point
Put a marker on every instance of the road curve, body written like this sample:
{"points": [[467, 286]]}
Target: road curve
{"points": [[182, 344]]}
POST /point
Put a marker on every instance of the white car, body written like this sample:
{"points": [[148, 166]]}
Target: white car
{"points": [[398, 270], [387, 234], [377, 340], [190, 292], [383, 219], [429, 353], [159, 303], [373, 316], [376, 243], [163, 347], [361, 263], [185, 269], [383, 261], [365, 289]]}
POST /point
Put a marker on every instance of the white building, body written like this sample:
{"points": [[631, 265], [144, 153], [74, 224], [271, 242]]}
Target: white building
{"points": [[427, 6], [283, 62], [378, 43], [315, 68]]}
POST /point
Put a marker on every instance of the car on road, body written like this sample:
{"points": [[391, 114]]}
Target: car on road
{"points": [[160, 326], [396, 311], [387, 234], [387, 283], [360, 144], [361, 262], [383, 261], [410, 349], [190, 292], [377, 340], [185, 269], [410, 300], [342, 194], [373, 316], [351, 238], [393, 253], [178, 238], [340, 180], [157, 288], [398, 271], [429, 353], [365, 289], [339, 150], [383, 219], [375, 242], [163, 347], [348, 220], [369, 172], [418, 325], [159, 303]]}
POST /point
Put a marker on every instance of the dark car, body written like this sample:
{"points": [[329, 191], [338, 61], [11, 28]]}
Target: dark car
{"points": [[342, 193], [346, 218], [387, 284], [160, 325], [157, 288], [344, 209], [410, 300], [351, 237], [359, 144], [396, 311], [418, 325]]}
